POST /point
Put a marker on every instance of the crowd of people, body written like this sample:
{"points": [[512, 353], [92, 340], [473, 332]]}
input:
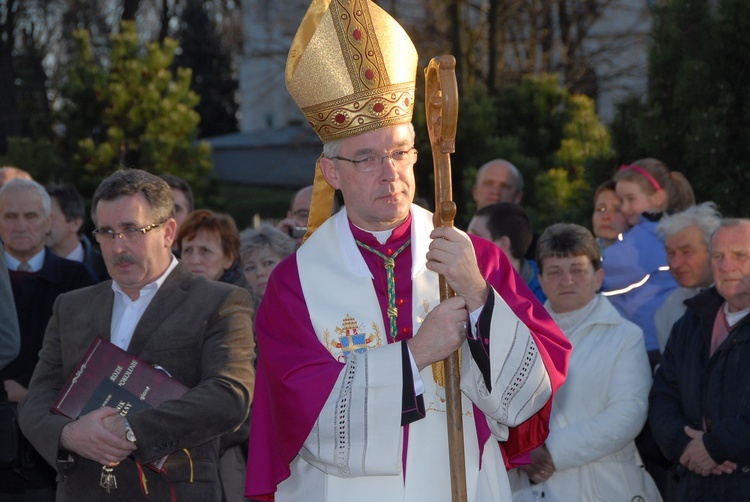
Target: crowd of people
{"points": [[594, 365]]}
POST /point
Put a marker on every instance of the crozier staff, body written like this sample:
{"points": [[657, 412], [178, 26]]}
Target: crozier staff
{"points": [[347, 402]]}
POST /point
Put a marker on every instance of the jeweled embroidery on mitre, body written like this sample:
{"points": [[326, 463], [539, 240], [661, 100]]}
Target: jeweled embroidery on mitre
{"points": [[355, 73], [351, 338], [363, 112], [362, 53], [376, 102]]}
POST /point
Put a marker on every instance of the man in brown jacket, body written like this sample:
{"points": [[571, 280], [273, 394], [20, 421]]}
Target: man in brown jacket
{"points": [[200, 331]]}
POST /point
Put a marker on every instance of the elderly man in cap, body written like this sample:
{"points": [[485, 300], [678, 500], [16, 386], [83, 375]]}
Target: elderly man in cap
{"points": [[350, 402]]}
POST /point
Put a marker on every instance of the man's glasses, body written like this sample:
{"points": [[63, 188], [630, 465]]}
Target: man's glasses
{"points": [[129, 234], [400, 158]]}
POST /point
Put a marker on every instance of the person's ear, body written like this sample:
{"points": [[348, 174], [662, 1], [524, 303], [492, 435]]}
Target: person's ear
{"points": [[660, 199], [76, 224], [504, 244], [170, 232], [330, 172]]}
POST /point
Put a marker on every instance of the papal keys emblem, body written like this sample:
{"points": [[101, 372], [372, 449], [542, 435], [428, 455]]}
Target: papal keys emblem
{"points": [[350, 337]]}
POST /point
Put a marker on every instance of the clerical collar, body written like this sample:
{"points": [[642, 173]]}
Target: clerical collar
{"points": [[381, 236]]}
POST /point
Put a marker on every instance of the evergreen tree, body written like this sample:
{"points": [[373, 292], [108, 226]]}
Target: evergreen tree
{"points": [[134, 113], [697, 115], [203, 51], [554, 138]]}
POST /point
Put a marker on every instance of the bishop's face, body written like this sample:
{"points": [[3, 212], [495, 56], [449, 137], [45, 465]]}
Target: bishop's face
{"points": [[377, 200]]}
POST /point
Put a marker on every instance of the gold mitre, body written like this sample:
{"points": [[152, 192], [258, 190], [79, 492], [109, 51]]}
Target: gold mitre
{"points": [[351, 69]]}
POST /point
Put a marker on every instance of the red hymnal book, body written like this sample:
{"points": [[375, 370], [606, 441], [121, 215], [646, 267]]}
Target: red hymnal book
{"points": [[109, 376]]}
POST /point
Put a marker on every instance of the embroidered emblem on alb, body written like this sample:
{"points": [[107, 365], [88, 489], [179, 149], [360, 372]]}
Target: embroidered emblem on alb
{"points": [[350, 338]]}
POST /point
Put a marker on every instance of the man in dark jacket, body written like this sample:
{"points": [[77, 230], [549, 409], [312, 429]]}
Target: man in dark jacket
{"points": [[65, 237], [700, 401], [37, 278]]}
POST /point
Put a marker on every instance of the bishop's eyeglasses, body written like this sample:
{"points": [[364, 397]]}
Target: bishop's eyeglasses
{"points": [[129, 234], [400, 158]]}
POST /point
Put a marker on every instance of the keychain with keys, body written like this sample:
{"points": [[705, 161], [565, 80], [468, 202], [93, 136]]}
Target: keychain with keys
{"points": [[108, 481]]}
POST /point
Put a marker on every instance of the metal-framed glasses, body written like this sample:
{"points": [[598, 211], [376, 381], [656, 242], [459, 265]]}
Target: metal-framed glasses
{"points": [[128, 234], [400, 158]]}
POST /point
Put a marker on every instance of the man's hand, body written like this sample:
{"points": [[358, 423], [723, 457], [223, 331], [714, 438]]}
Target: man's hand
{"points": [[452, 255], [15, 390], [542, 467], [696, 458], [96, 436], [442, 332]]}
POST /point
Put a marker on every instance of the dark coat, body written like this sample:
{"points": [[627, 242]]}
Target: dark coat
{"points": [[690, 387], [34, 296], [200, 331]]}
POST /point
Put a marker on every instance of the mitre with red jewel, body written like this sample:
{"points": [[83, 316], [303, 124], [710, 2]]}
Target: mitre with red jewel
{"points": [[351, 69]]}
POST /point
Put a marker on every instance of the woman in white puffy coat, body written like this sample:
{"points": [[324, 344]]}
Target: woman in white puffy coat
{"points": [[590, 454]]}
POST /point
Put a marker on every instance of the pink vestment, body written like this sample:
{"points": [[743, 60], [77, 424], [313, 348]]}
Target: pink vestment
{"points": [[296, 372]]}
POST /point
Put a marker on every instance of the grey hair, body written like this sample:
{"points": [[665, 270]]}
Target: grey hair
{"points": [[333, 148], [513, 169], [727, 223], [252, 239], [567, 239], [705, 216], [18, 184]]}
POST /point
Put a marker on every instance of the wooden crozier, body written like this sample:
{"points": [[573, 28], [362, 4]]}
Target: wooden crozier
{"points": [[441, 107]]}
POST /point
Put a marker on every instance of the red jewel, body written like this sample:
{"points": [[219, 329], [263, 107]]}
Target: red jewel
{"points": [[357, 35], [369, 74], [406, 101], [401, 301], [340, 118], [405, 331], [389, 251], [378, 107]]}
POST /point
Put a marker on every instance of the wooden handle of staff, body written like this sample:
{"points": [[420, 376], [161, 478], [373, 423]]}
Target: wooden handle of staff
{"points": [[441, 97]]}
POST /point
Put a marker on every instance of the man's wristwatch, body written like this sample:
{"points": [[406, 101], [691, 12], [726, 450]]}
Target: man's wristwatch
{"points": [[129, 434]]}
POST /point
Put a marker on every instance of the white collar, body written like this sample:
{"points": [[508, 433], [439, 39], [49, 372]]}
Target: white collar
{"points": [[35, 263], [152, 286]]}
